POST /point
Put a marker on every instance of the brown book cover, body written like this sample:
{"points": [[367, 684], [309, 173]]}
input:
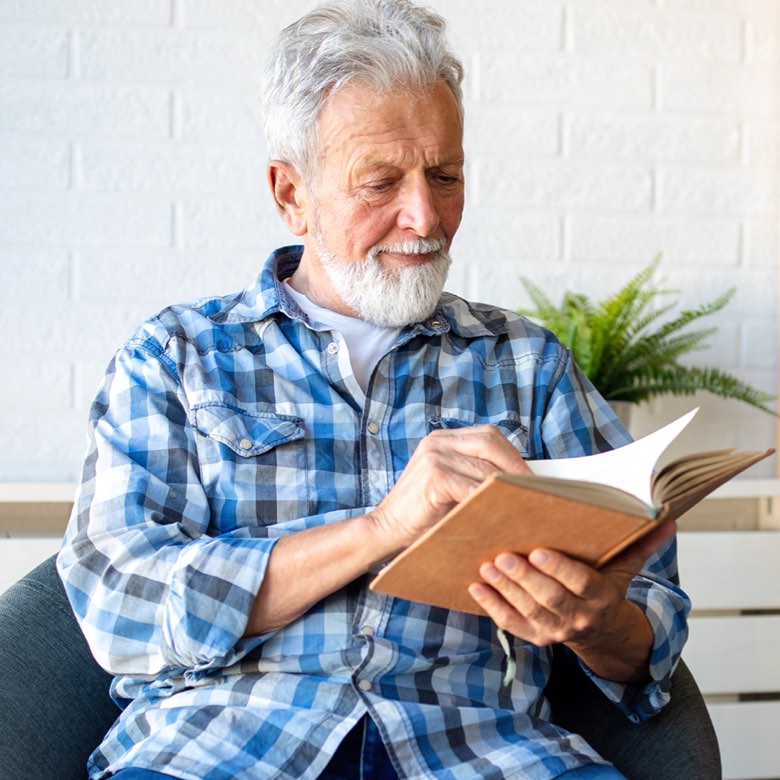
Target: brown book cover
{"points": [[518, 513]]}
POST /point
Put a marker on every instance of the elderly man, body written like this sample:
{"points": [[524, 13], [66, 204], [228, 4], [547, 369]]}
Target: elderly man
{"points": [[254, 458]]}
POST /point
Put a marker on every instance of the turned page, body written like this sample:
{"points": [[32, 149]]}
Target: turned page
{"points": [[630, 468]]}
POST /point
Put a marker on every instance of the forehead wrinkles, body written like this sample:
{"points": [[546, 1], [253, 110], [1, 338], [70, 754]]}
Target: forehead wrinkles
{"points": [[401, 145], [402, 128]]}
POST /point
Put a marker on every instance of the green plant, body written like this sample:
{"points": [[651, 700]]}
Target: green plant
{"points": [[630, 350]]}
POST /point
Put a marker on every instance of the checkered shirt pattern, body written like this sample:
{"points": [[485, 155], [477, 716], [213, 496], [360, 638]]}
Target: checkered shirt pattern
{"points": [[225, 424]]}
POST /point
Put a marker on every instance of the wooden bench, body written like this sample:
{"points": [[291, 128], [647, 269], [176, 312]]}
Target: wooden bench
{"points": [[733, 578], [732, 574], [32, 520]]}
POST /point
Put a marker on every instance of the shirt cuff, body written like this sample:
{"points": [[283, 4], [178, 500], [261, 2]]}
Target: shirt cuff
{"points": [[666, 609]]}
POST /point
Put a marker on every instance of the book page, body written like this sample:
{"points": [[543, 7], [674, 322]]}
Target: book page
{"points": [[630, 468], [592, 493], [686, 474]]}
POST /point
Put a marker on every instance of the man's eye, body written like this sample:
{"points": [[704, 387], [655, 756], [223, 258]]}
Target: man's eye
{"points": [[381, 186], [445, 179]]}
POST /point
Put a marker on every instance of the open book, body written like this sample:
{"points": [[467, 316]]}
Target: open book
{"points": [[590, 507]]}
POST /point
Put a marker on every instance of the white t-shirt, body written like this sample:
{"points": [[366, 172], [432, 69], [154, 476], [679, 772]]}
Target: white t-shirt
{"points": [[366, 343]]}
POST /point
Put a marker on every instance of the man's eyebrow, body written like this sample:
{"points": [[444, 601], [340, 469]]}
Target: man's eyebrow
{"points": [[370, 165], [452, 161]]}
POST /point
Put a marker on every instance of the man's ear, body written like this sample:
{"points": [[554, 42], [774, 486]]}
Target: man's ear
{"points": [[290, 195]]}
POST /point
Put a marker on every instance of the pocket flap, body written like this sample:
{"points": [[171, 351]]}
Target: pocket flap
{"points": [[512, 428], [245, 433]]}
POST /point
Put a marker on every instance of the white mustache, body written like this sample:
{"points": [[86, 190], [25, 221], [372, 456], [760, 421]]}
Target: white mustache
{"points": [[420, 246]]}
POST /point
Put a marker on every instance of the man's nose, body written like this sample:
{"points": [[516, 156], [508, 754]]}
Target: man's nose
{"points": [[418, 210]]}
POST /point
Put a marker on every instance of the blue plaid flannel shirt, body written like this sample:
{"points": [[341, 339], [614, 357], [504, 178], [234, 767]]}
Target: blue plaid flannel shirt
{"points": [[225, 424]]}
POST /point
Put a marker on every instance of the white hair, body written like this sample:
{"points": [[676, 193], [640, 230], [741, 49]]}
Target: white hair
{"points": [[386, 44]]}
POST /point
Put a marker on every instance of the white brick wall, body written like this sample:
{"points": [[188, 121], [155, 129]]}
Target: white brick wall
{"points": [[600, 132]]}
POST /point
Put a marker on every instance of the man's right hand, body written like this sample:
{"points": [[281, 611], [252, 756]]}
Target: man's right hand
{"points": [[306, 566], [445, 468]]}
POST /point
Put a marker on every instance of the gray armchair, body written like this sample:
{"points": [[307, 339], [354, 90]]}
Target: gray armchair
{"points": [[55, 706]]}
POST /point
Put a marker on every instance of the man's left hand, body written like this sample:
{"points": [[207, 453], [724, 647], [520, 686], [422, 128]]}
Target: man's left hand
{"points": [[550, 598]]}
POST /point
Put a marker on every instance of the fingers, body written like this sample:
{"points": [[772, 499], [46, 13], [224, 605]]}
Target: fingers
{"points": [[444, 469], [548, 597], [525, 601], [480, 443], [457, 461], [448, 465], [550, 576], [504, 615]]}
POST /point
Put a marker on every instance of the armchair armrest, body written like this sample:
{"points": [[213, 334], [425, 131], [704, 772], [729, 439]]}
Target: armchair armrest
{"points": [[678, 742]]}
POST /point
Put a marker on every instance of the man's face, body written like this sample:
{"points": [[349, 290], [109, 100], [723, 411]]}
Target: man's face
{"points": [[389, 193]]}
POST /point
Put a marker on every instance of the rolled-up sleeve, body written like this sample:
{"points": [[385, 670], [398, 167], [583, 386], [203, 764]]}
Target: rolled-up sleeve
{"points": [[155, 594], [666, 607]]}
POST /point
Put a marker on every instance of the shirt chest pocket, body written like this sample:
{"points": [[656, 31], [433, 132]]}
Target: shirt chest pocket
{"points": [[253, 465], [512, 428]]}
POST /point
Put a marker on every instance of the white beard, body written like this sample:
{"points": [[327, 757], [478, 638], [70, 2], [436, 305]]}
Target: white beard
{"points": [[389, 297]]}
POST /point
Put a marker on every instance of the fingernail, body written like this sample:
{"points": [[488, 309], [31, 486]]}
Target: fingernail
{"points": [[477, 591], [507, 563], [539, 557], [490, 572]]}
